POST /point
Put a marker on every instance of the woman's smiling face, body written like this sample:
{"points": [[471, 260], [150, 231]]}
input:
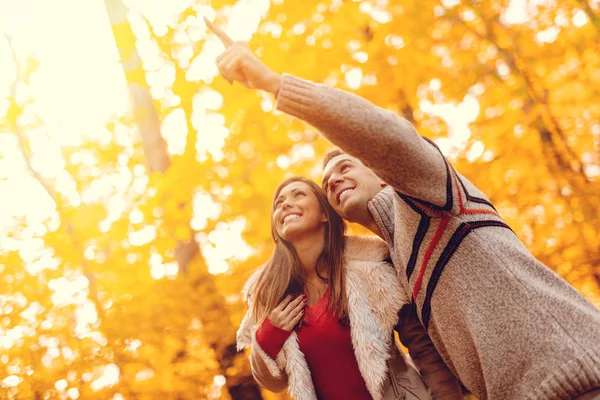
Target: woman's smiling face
{"points": [[296, 212]]}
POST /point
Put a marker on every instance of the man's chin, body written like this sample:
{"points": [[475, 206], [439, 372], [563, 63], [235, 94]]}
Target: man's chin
{"points": [[350, 210]]}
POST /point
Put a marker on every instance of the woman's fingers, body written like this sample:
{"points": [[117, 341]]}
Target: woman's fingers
{"points": [[292, 305], [295, 320], [298, 308], [287, 314], [294, 314], [283, 303]]}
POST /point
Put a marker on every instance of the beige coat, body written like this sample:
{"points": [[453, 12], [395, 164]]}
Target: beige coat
{"points": [[375, 298]]}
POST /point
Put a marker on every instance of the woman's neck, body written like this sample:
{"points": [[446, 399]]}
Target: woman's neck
{"points": [[309, 249]]}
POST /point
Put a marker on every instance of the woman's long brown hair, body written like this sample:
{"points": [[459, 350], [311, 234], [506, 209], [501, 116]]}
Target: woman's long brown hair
{"points": [[283, 274]]}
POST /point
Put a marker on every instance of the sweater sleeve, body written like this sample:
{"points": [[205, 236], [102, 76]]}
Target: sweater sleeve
{"points": [[271, 338], [265, 369], [384, 141], [442, 384]]}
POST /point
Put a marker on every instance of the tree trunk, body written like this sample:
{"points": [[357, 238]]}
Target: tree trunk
{"points": [[155, 150]]}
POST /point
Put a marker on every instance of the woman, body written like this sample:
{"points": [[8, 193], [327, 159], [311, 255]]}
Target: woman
{"points": [[321, 317]]}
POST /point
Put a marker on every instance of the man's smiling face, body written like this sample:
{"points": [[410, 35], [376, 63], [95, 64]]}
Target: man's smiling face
{"points": [[350, 185]]}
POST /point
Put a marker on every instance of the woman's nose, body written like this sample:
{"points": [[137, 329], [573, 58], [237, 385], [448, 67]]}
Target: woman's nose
{"points": [[286, 204]]}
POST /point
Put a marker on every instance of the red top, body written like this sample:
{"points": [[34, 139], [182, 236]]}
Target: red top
{"points": [[327, 348]]}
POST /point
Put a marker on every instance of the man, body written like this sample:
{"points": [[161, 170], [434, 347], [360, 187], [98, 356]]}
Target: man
{"points": [[506, 325]]}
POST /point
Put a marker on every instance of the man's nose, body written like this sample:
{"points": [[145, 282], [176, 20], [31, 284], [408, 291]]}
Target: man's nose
{"points": [[334, 180]]}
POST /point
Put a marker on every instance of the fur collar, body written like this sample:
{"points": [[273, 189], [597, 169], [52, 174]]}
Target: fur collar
{"points": [[374, 299]]}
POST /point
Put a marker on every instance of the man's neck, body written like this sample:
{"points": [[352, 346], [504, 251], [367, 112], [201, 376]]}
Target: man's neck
{"points": [[372, 226], [367, 220]]}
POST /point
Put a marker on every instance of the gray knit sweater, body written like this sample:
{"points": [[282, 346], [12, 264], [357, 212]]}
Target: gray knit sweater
{"points": [[506, 325]]}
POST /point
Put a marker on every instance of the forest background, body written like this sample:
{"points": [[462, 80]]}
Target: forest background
{"points": [[135, 183]]}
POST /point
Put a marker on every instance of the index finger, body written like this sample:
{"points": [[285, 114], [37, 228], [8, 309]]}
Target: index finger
{"points": [[293, 304], [286, 300], [223, 37]]}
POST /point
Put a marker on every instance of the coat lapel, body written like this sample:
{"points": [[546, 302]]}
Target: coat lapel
{"points": [[290, 359], [300, 383], [374, 299], [369, 340]]}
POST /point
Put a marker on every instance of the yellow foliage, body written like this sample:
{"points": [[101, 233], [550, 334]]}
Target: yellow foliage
{"points": [[519, 103]]}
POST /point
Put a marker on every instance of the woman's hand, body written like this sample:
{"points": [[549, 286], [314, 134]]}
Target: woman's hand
{"points": [[239, 63], [288, 313]]}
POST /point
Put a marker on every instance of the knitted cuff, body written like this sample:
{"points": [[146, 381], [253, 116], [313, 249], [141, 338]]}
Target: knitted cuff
{"points": [[271, 338], [295, 96]]}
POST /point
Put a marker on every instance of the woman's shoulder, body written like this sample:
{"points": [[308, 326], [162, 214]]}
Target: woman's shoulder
{"points": [[250, 284], [366, 248], [367, 257], [369, 269]]}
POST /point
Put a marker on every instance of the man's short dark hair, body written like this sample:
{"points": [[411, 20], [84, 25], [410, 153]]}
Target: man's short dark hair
{"points": [[332, 154]]}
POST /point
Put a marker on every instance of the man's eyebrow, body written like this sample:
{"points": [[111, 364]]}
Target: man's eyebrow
{"points": [[326, 177]]}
